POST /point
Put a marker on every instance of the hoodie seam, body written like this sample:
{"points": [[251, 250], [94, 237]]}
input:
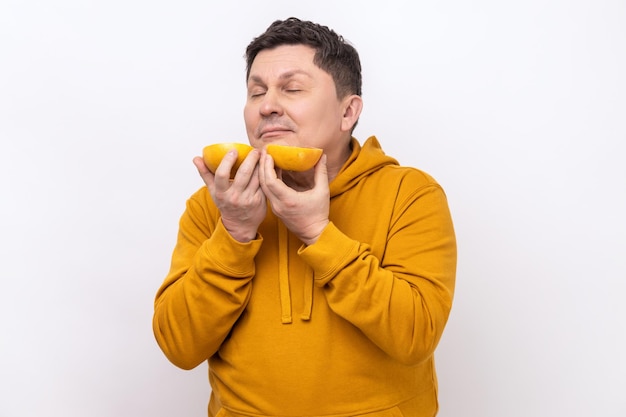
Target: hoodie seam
{"points": [[332, 272]]}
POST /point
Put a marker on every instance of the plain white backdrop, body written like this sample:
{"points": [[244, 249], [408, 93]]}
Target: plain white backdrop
{"points": [[517, 108]]}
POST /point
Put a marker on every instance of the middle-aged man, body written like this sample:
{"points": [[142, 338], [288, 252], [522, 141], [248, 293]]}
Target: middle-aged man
{"points": [[317, 293]]}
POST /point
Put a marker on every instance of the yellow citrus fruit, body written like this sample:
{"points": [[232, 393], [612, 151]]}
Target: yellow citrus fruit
{"points": [[213, 154], [293, 158]]}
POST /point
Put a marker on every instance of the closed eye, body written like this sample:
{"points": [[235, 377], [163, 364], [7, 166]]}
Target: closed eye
{"points": [[256, 93]]}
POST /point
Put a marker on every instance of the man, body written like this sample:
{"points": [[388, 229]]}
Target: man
{"points": [[321, 293]]}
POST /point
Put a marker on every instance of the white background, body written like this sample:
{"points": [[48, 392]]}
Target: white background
{"points": [[517, 108]]}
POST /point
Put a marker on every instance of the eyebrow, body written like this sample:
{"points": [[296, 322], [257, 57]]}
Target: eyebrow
{"points": [[283, 76]]}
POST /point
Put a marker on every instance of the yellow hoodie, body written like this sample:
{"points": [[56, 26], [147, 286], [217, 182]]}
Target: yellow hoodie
{"points": [[344, 327]]}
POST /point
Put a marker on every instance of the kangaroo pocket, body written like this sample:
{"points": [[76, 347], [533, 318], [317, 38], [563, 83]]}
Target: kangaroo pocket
{"points": [[390, 412]]}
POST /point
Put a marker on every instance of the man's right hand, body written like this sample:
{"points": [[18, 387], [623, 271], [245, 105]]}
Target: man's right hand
{"points": [[240, 201]]}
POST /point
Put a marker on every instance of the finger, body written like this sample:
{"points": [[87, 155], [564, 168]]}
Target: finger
{"points": [[203, 170], [266, 171], [245, 174], [321, 171], [222, 173], [254, 179]]}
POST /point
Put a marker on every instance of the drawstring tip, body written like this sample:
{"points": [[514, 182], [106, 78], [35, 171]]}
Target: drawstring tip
{"points": [[286, 319]]}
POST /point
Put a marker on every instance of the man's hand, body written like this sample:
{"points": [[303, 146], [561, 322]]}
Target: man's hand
{"points": [[240, 201], [305, 213]]}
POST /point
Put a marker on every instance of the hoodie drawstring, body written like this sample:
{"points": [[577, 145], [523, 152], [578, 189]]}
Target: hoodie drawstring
{"points": [[283, 273], [283, 280], [308, 295]]}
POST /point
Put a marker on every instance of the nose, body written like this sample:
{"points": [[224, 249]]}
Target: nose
{"points": [[270, 105]]}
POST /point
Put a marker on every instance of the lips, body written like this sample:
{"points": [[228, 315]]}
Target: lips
{"points": [[272, 131], [273, 127]]}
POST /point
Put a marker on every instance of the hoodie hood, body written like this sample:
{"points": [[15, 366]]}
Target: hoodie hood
{"points": [[363, 161]]}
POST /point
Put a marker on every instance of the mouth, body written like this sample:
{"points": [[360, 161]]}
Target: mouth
{"points": [[273, 131], [274, 127]]}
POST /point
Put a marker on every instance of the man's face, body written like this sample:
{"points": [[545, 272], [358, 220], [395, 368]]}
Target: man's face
{"points": [[293, 102]]}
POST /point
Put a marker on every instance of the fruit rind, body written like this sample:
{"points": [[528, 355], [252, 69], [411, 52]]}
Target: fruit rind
{"points": [[294, 158], [213, 154]]}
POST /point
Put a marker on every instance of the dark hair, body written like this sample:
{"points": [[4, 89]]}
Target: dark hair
{"points": [[332, 53]]}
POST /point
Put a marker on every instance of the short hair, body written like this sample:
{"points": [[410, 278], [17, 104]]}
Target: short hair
{"points": [[333, 54]]}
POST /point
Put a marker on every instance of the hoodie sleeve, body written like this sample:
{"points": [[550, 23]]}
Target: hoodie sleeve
{"points": [[400, 300], [206, 289]]}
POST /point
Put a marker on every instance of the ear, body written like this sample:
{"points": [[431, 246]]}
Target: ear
{"points": [[352, 106]]}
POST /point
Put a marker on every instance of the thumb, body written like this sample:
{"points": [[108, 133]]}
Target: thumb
{"points": [[321, 171], [203, 170]]}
